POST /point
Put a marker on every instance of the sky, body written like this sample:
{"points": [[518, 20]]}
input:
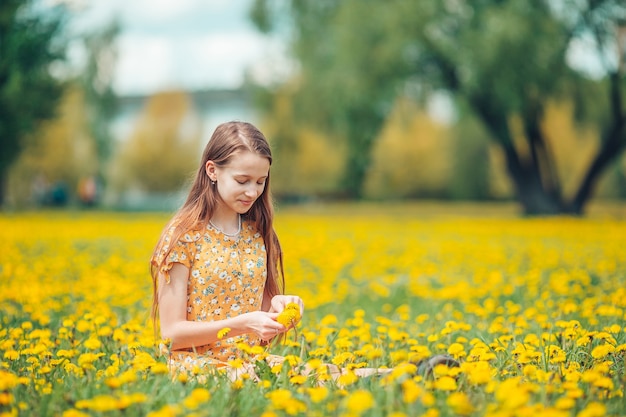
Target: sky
{"points": [[187, 44], [197, 44]]}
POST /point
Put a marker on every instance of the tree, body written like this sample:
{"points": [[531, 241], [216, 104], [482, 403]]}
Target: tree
{"points": [[499, 59], [164, 148], [49, 170], [346, 86], [411, 157], [518, 68], [30, 43], [100, 99]]}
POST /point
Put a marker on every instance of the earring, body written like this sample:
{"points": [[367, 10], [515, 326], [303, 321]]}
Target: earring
{"points": [[212, 182]]}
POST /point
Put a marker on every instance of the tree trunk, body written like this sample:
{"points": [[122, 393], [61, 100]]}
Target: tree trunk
{"points": [[611, 149], [530, 190], [358, 160], [362, 130], [613, 143], [3, 187], [531, 193]]}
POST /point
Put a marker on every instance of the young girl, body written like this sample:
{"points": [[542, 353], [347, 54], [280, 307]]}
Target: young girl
{"points": [[218, 263], [218, 266]]}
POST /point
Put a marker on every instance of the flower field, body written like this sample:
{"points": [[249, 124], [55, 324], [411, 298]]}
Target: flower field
{"points": [[533, 309]]}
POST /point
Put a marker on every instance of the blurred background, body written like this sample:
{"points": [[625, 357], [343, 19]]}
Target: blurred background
{"points": [[108, 103]]}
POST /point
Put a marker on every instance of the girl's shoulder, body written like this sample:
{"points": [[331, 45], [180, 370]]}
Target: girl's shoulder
{"points": [[175, 231]]}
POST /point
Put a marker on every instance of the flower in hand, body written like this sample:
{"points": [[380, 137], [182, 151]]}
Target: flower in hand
{"points": [[223, 333], [290, 316]]}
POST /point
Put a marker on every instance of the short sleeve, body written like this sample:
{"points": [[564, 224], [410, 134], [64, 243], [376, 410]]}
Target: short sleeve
{"points": [[181, 251]]}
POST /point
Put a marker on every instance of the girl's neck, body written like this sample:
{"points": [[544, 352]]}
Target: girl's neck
{"points": [[227, 223]]}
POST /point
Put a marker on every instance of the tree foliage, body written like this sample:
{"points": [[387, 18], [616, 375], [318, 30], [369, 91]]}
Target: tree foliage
{"points": [[163, 151], [502, 60], [100, 99], [420, 150], [30, 43], [50, 169]]}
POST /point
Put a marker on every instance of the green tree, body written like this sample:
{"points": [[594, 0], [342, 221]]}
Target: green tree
{"points": [[163, 150], [30, 43], [63, 154], [346, 85], [100, 99], [508, 59], [500, 59]]}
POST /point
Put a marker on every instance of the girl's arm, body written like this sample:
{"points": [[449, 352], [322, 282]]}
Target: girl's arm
{"points": [[185, 334]]}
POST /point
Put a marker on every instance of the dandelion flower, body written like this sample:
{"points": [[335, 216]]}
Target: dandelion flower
{"points": [[318, 394], [196, 398], [359, 401], [460, 403], [298, 379], [290, 316], [601, 351], [445, 383], [223, 333]]}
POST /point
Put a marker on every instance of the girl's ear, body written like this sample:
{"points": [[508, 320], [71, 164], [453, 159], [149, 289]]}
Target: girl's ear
{"points": [[209, 168]]}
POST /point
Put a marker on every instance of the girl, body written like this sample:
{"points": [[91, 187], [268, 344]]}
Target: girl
{"points": [[217, 269], [218, 266]]}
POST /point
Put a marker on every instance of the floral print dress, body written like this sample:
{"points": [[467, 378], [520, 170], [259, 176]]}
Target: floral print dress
{"points": [[226, 278]]}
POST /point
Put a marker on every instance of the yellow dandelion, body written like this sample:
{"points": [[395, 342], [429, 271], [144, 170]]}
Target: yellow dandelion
{"points": [[64, 353], [11, 355], [83, 326], [166, 411], [359, 401], [279, 396], [159, 368], [236, 363], [565, 403], [411, 391], [182, 377], [196, 398], [593, 409], [318, 394], [478, 373], [100, 403], [290, 316], [445, 383], [6, 398], [8, 380], [347, 378], [74, 413], [460, 403], [512, 394], [602, 351], [276, 369], [92, 343], [282, 399], [223, 333], [457, 350], [298, 379]]}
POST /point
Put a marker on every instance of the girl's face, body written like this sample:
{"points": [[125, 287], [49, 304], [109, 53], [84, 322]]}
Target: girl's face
{"points": [[240, 182]]}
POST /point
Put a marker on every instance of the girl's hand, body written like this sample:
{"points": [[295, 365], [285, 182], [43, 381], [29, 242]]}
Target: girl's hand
{"points": [[279, 302], [263, 324]]}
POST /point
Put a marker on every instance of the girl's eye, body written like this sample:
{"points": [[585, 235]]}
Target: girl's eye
{"points": [[243, 182]]}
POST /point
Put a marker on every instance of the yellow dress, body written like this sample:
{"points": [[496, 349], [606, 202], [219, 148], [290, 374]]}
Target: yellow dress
{"points": [[226, 278]]}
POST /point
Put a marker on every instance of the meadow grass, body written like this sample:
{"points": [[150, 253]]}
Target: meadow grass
{"points": [[533, 309]]}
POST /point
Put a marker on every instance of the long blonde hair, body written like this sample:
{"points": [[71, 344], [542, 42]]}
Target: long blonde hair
{"points": [[227, 139]]}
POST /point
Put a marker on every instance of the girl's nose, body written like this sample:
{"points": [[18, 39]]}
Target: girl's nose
{"points": [[251, 191]]}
